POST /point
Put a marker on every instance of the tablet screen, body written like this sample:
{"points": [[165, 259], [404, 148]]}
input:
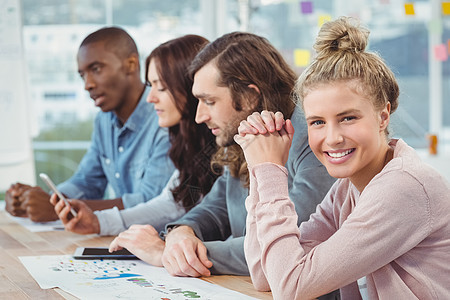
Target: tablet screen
{"points": [[94, 253]]}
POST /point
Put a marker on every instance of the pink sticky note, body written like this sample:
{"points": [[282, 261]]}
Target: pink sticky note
{"points": [[440, 52]]}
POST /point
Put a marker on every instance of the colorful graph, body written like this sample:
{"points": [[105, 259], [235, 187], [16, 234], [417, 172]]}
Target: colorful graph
{"points": [[119, 279]]}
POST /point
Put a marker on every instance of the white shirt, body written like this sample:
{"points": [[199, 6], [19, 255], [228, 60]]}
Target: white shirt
{"points": [[157, 212]]}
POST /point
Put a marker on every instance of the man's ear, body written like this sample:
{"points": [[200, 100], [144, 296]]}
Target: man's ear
{"points": [[132, 63], [252, 101], [252, 86]]}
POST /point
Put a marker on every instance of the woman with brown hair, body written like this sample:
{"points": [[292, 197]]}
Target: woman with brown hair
{"points": [[191, 150]]}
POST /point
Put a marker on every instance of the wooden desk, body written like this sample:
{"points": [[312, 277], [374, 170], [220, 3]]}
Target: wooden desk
{"points": [[16, 283]]}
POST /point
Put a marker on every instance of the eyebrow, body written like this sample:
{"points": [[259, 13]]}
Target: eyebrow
{"points": [[90, 65], [345, 112], [202, 95], [154, 81], [349, 111]]}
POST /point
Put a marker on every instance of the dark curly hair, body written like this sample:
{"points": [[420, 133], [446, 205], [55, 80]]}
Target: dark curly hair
{"points": [[192, 144]]}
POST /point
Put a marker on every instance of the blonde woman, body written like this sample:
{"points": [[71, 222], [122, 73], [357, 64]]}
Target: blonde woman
{"points": [[387, 216]]}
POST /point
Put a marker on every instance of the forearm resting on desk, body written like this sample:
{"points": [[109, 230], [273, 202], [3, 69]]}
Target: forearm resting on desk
{"points": [[104, 204]]}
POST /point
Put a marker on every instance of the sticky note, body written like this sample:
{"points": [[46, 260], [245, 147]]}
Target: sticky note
{"points": [[440, 52], [306, 7], [409, 8], [323, 19], [446, 8], [301, 57], [435, 26]]}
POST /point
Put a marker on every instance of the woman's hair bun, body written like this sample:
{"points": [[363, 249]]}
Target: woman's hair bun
{"points": [[341, 35]]}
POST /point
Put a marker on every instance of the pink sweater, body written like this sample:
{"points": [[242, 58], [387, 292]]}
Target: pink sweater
{"points": [[396, 233]]}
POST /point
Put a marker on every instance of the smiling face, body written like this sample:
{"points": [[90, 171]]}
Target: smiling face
{"points": [[104, 75], [168, 114], [215, 107], [346, 133]]}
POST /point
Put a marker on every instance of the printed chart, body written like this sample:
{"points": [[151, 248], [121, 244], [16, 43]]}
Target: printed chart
{"points": [[119, 279]]}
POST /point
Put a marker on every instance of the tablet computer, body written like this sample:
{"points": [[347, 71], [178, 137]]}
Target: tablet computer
{"points": [[102, 253]]}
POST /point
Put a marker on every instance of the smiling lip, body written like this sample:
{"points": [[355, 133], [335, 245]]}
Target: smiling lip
{"points": [[339, 156]]}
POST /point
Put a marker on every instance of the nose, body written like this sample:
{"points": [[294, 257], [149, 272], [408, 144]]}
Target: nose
{"points": [[151, 98], [89, 83], [334, 135], [202, 114]]}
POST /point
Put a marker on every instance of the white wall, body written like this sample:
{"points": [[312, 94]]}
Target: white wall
{"points": [[16, 156]]}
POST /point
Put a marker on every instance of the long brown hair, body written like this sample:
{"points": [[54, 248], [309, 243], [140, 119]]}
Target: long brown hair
{"points": [[243, 59], [192, 144]]}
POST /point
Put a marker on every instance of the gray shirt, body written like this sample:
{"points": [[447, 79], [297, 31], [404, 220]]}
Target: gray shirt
{"points": [[219, 220]]}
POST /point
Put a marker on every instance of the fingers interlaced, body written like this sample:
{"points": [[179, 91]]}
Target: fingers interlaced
{"points": [[257, 122]]}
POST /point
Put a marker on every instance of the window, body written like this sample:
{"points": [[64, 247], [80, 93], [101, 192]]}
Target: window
{"points": [[54, 29]]}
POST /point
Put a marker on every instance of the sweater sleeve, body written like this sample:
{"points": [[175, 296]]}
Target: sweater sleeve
{"points": [[252, 248], [386, 223]]}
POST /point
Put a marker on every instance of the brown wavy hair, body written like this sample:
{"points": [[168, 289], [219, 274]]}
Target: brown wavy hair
{"points": [[192, 144], [242, 59]]}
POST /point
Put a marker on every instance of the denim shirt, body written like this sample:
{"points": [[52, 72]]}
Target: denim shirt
{"points": [[133, 158], [219, 220]]}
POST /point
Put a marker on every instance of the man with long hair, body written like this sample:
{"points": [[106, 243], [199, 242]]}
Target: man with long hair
{"points": [[234, 76]]}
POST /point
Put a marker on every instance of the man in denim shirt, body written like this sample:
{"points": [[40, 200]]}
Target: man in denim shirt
{"points": [[128, 149]]}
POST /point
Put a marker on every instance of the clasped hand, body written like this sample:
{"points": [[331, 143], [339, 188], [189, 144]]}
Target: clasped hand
{"points": [[265, 137], [23, 200]]}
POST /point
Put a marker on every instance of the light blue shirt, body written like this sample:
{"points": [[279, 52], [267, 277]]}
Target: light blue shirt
{"points": [[133, 158]]}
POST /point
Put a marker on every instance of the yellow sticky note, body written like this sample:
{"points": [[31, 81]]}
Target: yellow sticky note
{"points": [[323, 19], [409, 8], [301, 57], [446, 8]]}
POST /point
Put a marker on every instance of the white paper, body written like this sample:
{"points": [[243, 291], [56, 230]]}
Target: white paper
{"points": [[119, 279], [38, 226]]}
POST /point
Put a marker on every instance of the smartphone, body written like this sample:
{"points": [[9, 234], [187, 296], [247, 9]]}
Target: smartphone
{"points": [[102, 253], [52, 186]]}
